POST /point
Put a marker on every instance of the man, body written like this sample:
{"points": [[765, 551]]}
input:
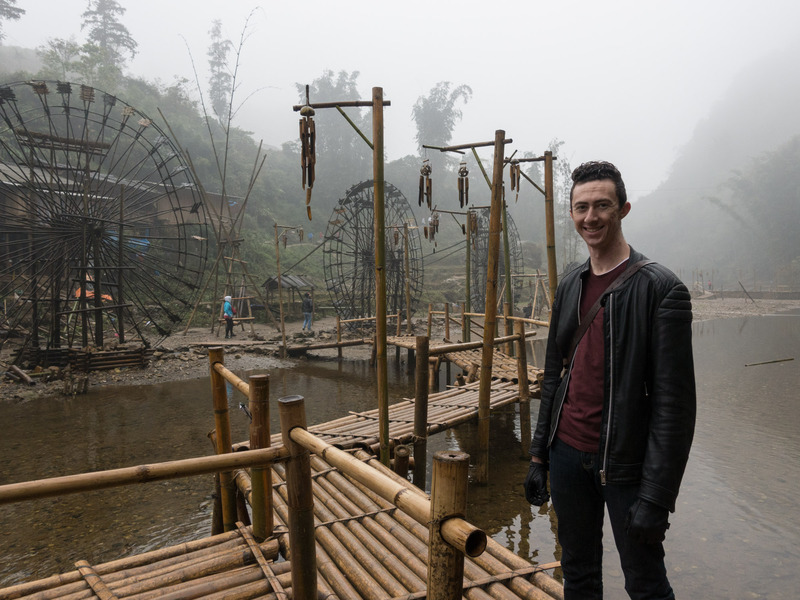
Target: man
{"points": [[308, 311], [227, 313], [617, 411]]}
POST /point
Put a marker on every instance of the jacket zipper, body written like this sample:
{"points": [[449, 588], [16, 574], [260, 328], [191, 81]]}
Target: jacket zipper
{"points": [[610, 310]]}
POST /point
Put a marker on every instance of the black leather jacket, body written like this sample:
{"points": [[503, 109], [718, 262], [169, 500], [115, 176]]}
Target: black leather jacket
{"points": [[649, 401]]}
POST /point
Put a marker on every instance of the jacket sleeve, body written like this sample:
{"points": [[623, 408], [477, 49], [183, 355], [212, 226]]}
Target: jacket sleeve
{"points": [[671, 387]]}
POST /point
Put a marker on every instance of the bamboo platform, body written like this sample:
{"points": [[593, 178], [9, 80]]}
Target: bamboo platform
{"points": [[504, 367], [446, 409]]}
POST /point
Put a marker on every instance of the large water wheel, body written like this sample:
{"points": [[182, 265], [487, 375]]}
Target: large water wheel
{"points": [[349, 252], [102, 232]]}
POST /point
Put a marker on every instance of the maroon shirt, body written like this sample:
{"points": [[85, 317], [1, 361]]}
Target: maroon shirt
{"points": [[582, 412]]}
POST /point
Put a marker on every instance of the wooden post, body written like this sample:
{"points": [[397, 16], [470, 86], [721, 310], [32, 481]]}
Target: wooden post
{"points": [[552, 269], [490, 315], [509, 287], [421, 412], [464, 331], [261, 476], [401, 456], [280, 292], [433, 374], [447, 321], [300, 502], [524, 389], [448, 499], [339, 335], [380, 273], [223, 436], [407, 264], [430, 318]]}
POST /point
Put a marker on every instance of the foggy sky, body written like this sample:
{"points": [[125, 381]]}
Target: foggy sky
{"points": [[621, 80]]}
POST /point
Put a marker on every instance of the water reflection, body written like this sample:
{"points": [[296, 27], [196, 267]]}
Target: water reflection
{"points": [[735, 534]]}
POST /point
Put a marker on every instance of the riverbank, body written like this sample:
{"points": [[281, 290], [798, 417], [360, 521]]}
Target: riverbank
{"points": [[185, 355]]}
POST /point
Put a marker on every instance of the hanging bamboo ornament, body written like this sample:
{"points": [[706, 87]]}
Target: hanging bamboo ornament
{"points": [[463, 185], [425, 186], [308, 156]]}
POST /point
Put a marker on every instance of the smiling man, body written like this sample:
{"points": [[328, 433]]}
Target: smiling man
{"points": [[617, 410]]}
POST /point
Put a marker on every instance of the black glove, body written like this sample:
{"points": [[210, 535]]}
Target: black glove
{"points": [[647, 522], [536, 484]]}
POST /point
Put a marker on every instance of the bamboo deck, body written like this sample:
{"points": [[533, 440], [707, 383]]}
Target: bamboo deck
{"points": [[366, 549]]}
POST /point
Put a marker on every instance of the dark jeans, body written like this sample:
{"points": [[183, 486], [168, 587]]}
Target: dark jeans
{"points": [[579, 501], [228, 326]]}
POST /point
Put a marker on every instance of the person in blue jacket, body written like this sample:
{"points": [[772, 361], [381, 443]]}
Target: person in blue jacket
{"points": [[227, 313], [308, 311]]}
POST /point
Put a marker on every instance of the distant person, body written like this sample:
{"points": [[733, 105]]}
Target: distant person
{"points": [[227, 313], [308, 311], [617, 410]]}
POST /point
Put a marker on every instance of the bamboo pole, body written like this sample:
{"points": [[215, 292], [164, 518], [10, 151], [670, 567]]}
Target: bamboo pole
{"points": [[447, 321], [407, 264], [552, 269], [300, 501], [482, 466], [98, 480], [524, 390], [380, 270], [467, 327], [430, 318], [261, 475], [448, 498], [339, 336], [216, 356], [421, 412], [280, 293]]}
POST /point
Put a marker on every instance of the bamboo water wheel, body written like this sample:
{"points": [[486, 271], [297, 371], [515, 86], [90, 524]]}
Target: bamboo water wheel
{"points": [[480, 257], [349, 252], [103, 235]]}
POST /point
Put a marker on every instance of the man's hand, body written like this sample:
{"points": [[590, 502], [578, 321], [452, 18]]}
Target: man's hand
{"points": [[536, 484], [647, 522]]}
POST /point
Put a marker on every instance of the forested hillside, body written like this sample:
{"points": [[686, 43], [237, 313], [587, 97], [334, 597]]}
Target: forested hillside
{"points": [[730, 206]]}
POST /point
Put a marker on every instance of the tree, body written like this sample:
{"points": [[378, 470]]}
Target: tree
{"points": [[220, 81], [59, 57], [108, 43], [9, 11], [436, 116]]}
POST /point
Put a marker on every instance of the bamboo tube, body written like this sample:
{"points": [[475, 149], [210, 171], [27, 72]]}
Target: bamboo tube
{"points": [[232, 378], [68, 484], [300, 500], [430, 318], [401, 456], [466, 537], [216, 356], [421, 413], [448, 499], [261, 476]]}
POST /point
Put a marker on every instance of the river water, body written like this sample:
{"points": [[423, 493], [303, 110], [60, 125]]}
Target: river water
{"points": [[736, 532]]}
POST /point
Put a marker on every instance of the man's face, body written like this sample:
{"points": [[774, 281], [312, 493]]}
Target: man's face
{"points": [[596, 214]]}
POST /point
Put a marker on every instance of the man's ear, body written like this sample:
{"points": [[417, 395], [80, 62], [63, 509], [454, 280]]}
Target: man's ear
{"points": [[626, 208]]}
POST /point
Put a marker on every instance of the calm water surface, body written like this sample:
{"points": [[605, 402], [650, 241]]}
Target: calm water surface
{"points": [[735, 533]]}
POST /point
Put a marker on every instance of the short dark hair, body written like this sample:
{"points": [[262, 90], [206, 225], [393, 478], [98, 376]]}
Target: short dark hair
{"points": [[598, 170]]}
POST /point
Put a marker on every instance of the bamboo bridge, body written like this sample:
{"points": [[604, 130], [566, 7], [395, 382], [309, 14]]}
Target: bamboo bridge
{"points": [[311, 513]]}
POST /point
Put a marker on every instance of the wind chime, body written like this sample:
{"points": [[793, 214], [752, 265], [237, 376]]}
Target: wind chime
{"points": [[308, 156], [472, 223], [514, 173], [425, 185], [463, 185]]}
